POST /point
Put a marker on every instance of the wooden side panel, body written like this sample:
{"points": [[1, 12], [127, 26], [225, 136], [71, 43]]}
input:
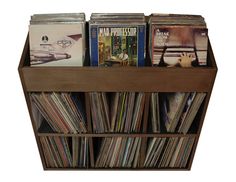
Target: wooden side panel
{"points": [[89, 124]]}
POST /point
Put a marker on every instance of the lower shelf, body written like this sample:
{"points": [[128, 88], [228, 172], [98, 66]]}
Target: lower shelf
{"points": [[145, 152]]}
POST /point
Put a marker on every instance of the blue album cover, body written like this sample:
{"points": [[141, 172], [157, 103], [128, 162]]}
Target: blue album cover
{"points": [[117, 45]]}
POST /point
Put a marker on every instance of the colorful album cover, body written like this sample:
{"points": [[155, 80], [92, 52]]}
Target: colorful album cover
{"points": [[56, 44], [117, 46], [179, 46]]}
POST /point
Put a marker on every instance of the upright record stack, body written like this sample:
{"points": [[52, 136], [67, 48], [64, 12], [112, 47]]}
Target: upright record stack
{"points": [[57, 39], [117, 39], [178, 40]]}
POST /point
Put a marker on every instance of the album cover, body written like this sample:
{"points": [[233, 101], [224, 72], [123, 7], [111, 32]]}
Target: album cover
{"points": [[114, 45], [56, 45]]}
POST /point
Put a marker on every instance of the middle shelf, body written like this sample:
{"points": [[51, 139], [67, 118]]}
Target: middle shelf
{"points": [[126, 114], [142, 135]]}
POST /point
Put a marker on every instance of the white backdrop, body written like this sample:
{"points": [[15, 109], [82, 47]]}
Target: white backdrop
{"points": [[216, 154]]}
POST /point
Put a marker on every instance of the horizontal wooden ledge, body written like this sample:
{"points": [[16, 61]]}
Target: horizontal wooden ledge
{"points": [[119, 135], [144, 79], [115, 169]]}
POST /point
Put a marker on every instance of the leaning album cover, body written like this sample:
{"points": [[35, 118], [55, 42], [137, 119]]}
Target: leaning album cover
{"points": [[56, 45]]}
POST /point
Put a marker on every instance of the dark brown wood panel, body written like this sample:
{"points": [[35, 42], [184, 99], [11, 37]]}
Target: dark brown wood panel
{"points": [[89, 125], [118, 169], [145, 79], [119, 135]]}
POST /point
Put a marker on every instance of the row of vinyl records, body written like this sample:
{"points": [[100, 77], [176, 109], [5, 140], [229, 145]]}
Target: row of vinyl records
{"points": [[118, 39], [116, 152], [119, 112]]}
